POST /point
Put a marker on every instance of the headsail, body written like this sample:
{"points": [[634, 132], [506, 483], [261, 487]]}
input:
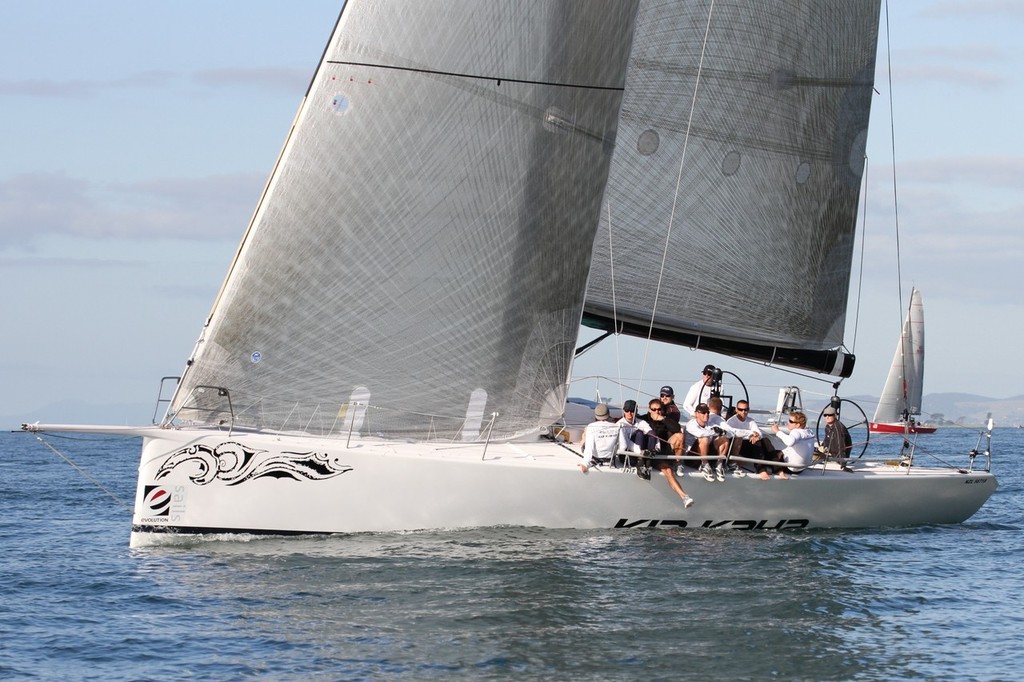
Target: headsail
{"points": [[753, 200], [424, 240], [901, 396]]}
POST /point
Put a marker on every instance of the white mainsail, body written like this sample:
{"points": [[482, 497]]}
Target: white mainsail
{"points": [[904, 385]]}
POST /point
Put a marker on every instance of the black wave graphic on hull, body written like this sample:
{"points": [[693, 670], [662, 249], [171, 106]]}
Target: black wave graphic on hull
{"points": [[233, 464]]}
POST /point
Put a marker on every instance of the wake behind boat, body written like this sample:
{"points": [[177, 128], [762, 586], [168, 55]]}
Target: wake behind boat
{"points": [[464, 185]]}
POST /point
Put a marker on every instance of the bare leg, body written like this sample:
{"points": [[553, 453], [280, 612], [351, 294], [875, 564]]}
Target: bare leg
{"points": [[703, 447], [676, 441], [722, 445], [666, 470]]}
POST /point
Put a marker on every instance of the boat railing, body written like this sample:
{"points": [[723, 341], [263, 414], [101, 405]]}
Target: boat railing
{"points": [[164, 397], [986, 434], [217, 407], [819, 466], [205, 405]]}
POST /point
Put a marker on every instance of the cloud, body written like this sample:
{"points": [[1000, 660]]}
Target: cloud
{"points": [[959, 225], [74, 89], [286, 80], [977, 78], [210, 208], [987, 171], [272, 79], [976, 9]]}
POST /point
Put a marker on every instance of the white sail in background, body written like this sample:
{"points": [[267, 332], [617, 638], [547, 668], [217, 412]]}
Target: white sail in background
{"points": [[901, 396]]}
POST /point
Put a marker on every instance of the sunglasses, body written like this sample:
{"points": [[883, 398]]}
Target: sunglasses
{"points": [[651, 409], [743, 409]]}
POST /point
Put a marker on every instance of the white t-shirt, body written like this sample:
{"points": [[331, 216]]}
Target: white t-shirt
{"points": [[745, 429], [698, 393], [602, 439], [693, 431], [799, 450], [627, 431]]}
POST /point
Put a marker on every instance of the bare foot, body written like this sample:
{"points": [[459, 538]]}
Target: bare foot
{"points": [[764, 475], [583, 468], [783, 475]]}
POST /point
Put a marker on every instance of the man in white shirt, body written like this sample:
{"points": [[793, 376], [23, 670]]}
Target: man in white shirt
{"points": [[700, 392], [634, 430], [715, 419], [749, 441], [799, 441], [700, 438], [602, 438]]}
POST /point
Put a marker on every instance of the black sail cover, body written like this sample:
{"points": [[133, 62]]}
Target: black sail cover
{"points": [[729, 216], [423, 243]]}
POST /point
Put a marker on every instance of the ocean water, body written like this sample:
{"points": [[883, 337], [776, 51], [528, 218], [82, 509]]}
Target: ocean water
{"points": [[936, 602]]}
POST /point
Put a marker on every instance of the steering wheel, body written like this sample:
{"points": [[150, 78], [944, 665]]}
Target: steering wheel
{"points": [[838, 404]]}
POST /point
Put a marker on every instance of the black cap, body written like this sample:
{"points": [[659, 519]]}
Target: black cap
{"points": [[629, 406], [667, 390], [708, 369]]}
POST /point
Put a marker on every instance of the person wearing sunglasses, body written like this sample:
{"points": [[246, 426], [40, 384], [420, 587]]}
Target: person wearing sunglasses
{"points": [[838, 443], [799, 442], [749, 442], [670, 418], [702, 438], [636, 431], [664, 428], [700, 392]]}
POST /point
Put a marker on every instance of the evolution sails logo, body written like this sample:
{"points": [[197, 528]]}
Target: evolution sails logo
{"points": [[157, 500]]}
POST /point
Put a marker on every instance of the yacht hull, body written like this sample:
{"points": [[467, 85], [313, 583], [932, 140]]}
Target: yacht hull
{"points": [[899, 427], [215, 483], [203, 482]]}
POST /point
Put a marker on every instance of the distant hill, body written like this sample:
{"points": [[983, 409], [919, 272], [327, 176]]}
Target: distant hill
{"points": [[960, 409], [967, 408], [951, 409]]}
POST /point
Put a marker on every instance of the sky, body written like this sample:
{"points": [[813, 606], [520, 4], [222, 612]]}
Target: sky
{"points": [[137, 137]]}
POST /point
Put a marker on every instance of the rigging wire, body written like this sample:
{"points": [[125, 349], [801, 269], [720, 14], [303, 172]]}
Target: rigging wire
{"points": [[860, 274], [679, 181], [895, 201], [892, 141], [615, 305], [83, 472]]}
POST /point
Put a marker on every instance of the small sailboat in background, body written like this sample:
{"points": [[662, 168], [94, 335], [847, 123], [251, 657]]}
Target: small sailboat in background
{"points": [[901, 398]]}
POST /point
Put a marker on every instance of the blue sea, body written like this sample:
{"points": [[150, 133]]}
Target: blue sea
{"points": [[934, 602]]}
